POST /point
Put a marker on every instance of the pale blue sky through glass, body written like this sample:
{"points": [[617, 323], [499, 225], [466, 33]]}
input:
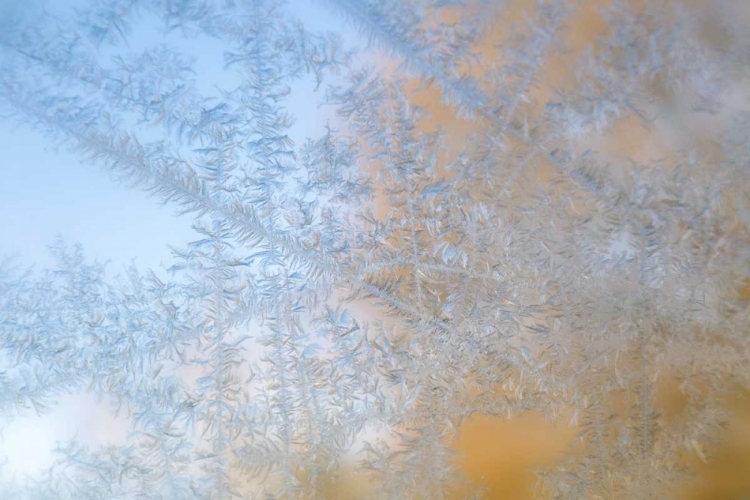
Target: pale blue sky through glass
{"points": [[47, 191]]}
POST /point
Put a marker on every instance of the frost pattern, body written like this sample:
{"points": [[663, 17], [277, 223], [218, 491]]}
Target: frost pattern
{"points": [[514, 263]]}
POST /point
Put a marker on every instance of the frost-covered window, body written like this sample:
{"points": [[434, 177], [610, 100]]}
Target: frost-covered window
{"points": [[390, 217]]}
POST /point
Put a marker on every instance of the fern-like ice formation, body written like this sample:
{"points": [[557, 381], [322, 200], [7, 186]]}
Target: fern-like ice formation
{"points": [[351, 301]]}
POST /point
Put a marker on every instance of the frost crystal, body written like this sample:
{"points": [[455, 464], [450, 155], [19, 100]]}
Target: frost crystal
{"points": [[474, 232]]}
